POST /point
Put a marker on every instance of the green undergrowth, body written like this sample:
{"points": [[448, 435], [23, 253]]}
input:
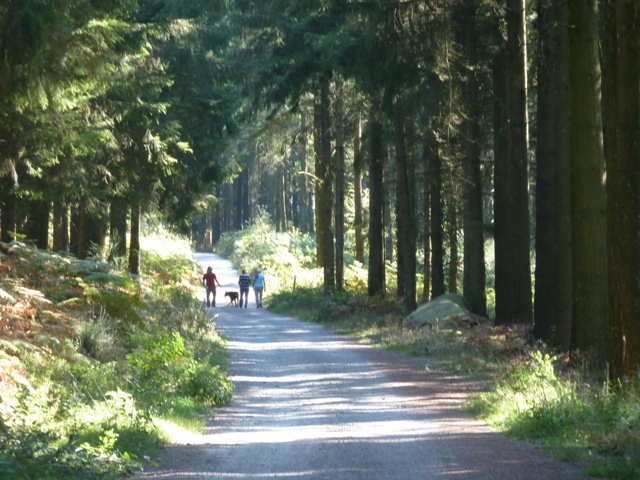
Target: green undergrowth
{"points": [[99, 369], [286, 258]]}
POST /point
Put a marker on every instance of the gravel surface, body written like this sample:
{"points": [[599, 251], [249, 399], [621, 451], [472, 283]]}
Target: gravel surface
{"points": [[311, 404]]}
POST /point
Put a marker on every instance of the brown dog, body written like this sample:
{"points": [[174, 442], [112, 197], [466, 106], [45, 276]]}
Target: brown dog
{"points": [[233, 298]]}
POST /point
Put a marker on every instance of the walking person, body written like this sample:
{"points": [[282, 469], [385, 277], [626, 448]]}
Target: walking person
{"points": [[259, 286], [245, 282], [209, 281]]}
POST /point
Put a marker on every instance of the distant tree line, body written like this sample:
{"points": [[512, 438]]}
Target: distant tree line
{"points": [[480, 146]]}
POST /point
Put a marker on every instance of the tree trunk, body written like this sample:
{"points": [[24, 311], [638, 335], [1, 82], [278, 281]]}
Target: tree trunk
{"points": [[320, 221], [564, 282], [306, 198], [340, 185], [118, 228], [588, 190], [357, 192], [325, 201], [404, 213], [452, 233], [623, 197], [200, 233], [74, 229], [517, 307], [82, 226], [426, 216], [388, 185], [521, 307], [437, 223], [96, 232], [237, 187], [60, 226], [8, 220], [546, 244], [134, 241], [38, 225], [501, 187], [283, 200], [474, 276], [376, 274], [245, 198]]}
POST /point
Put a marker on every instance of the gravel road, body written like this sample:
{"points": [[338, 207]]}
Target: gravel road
{"points": [[311, 404]]}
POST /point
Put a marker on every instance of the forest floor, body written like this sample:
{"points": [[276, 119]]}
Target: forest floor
{"points": [[312, 404]]}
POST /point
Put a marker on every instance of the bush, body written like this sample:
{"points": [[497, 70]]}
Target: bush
{"points": [[206, 383], [156, 362]]}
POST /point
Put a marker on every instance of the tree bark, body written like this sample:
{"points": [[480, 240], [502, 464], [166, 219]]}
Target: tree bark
{"points": [[74, 229], [8, 219], [245, 198], [404, 213], [501, 188], [546, 243], [623, 196], [452, 233], [134, 241], [521, 304], [474, 276], [118, 228], [517, 307], [340, 185], [426, 216], [376, 273], [238, 202], [588, 189], [38, 225], [317, 155], [357, 192], [563, 310], [82, 226], [306, 198], [388, 185], [437, 222], [326, 174], [60, 226]]}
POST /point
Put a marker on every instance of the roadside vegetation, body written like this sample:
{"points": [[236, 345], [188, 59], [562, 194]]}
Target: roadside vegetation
{"points": [[531, 392], [99, 369]]}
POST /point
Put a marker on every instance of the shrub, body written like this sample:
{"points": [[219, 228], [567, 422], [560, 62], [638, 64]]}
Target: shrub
{"points": [[205, 383], [155, 362]]}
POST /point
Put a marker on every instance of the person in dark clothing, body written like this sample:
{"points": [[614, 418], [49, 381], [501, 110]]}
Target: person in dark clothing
{"points": [[209, 281], [245, 282]]}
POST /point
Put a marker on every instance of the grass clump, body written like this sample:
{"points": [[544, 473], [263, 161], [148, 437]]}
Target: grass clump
{"points": [[98, 369]]}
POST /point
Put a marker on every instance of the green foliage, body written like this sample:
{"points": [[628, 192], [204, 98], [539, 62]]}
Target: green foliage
{"points": [[94, 384], [208, 384], [155, 360], [119, 304], [569, 416], [97, 337], [285, 258]]}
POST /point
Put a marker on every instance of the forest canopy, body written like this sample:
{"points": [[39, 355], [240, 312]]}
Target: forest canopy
{"points": [[483, 147]]}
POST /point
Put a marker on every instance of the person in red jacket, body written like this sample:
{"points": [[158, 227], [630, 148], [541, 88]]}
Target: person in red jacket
{"points": [[209, 281]]}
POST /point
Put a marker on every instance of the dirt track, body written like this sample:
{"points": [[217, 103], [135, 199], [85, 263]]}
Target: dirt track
{"points": [[310, 404]]}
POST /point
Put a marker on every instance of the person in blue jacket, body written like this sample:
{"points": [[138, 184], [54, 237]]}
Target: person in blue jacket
{"points": [[259, 286]]}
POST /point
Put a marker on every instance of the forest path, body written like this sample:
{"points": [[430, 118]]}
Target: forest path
{"points": [[311, 404]]}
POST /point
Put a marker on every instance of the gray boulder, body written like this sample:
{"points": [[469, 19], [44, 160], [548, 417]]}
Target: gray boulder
{"points": [[443, 309]]}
